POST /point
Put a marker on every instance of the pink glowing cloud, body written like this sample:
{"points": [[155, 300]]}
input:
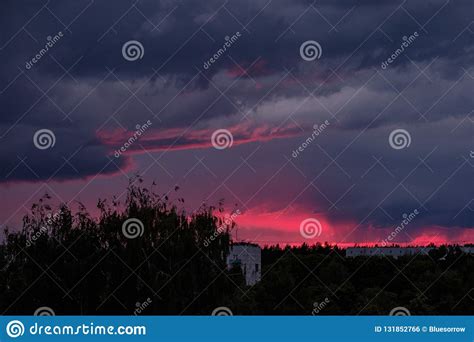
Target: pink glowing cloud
{"points": [[268, 227], [186, 139]]}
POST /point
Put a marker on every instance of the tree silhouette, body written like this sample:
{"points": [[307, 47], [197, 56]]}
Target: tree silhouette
{"points": [[77, 264]]}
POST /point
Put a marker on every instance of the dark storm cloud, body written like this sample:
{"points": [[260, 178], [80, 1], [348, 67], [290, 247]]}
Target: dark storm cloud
{"points": [[427, 89], [69, 157], [374, 184], [276, 33]]}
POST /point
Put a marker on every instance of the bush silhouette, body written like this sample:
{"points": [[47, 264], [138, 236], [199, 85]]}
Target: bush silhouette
{"points": [[79, 265], [167, 265]]}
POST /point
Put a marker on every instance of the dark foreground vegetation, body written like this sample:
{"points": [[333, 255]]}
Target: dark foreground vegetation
{"points": [[75, 264]]}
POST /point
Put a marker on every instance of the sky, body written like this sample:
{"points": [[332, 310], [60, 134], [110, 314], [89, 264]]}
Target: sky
{"points": [[328, 121]]}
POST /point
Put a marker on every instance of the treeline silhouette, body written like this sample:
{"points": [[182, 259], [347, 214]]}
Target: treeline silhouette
{"points": [[79, 265], [441, 283]]}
